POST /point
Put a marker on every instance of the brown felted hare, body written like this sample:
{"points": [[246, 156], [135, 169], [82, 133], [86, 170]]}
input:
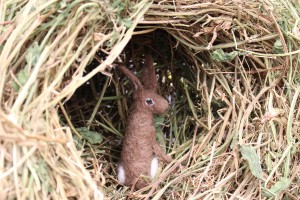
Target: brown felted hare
{"points": [[140, 151]]}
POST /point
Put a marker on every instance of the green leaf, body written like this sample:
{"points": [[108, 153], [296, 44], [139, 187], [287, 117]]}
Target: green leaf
{"points": [[118, 4], [63, 4], [277, 47], [220, 56], [91, 136], [15, 86], [127, 23], [78, 142], [158, 121], [113, 39], [33, 53], [250, 155], [22, 78], [278, 187]]}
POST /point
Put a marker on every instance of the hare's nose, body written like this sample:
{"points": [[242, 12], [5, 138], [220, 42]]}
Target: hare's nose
{"points": [[165, 104]]}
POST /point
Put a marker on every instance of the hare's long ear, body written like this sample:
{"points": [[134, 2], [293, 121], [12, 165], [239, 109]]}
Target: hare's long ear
{"points": [[133, 78], [149, 77]]}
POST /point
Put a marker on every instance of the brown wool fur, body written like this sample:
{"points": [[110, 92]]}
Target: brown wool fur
{"points": [[139, 144]]}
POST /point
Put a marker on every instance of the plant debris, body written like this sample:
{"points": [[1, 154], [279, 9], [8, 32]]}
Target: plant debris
{"points": [[230, 70]]}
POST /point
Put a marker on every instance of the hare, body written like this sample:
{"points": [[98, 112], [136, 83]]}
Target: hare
{"points": [[141, 151]]}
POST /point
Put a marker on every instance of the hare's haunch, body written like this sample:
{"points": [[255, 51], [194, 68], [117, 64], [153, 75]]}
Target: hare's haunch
{"points": [[140, 151]]}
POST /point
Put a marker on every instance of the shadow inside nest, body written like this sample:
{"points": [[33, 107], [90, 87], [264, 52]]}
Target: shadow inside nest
{"points": [[98, 109]]}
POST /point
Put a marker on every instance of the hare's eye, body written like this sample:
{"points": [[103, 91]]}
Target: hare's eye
{"points": [[149, 102]]}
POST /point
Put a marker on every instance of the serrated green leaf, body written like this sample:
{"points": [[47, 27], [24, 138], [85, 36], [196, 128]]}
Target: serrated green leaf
{"points": [[252, 158], [278, 187], [220, 56], [91, 136]]}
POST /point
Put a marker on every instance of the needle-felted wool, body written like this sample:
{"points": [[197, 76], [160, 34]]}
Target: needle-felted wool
{"points": [[139, 144]]}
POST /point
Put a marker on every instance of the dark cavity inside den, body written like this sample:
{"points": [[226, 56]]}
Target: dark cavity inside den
{"points": [[98, 109]]}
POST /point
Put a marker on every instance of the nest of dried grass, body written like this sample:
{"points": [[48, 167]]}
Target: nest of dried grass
{"points": [[230, 69]]}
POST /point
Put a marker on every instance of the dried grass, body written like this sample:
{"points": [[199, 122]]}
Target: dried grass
{"points": [[233, 129], [45, 47]]}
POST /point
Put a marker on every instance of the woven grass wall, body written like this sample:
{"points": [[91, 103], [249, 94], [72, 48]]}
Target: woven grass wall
{"points": [[229, 68]]}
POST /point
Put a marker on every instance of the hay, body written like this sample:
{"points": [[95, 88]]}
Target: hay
{"points": [[234, 76], [45, 47]]}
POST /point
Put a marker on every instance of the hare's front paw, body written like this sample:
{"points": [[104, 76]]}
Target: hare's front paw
{"points": [[121, 174], [160, 154]]}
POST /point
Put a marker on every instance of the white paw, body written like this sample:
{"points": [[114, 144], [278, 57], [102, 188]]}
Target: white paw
{"points": [[154, 167], [121, 174]]}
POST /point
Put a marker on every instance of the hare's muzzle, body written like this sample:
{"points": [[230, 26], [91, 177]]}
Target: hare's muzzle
{"points": [[161, 106]]}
